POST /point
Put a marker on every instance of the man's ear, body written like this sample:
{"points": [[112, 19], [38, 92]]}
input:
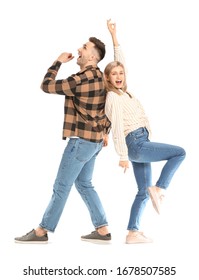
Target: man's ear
{"points": [[92, 57]]}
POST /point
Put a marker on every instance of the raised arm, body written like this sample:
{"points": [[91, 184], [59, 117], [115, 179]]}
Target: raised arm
{"points": [[112, 29], [118, 54]]}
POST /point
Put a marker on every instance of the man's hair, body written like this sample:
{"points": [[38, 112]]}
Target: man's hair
{"points": [[99, 46]]}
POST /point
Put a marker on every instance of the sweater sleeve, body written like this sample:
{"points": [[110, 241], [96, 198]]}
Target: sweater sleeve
{"points": [[114, 112], [119, 56]]}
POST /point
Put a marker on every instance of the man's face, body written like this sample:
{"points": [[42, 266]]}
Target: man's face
{"points": [[86, 54]]}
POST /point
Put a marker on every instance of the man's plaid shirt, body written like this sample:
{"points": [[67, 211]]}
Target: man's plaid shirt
{"points": [[84, 102]]}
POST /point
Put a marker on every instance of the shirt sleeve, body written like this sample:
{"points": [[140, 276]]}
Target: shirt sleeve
{"points": [[63, 86], [114, 112]]}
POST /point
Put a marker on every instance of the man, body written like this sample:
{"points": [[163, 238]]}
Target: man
{"points": [[86, 126]]}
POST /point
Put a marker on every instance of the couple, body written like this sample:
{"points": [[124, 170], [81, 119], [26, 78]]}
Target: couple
{"points": [[94, 104]]}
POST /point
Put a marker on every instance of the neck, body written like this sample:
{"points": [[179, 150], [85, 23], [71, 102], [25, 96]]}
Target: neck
{"points": [[88, 64]]}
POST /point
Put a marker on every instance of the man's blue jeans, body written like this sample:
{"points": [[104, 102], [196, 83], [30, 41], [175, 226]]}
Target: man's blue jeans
{"points": [[141, 153], [76, 166]]}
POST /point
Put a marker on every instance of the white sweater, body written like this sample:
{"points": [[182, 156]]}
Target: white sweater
{"points": [[126, 114]]}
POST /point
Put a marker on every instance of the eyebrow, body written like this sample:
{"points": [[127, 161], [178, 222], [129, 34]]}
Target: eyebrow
{"points": [[120, 71]]}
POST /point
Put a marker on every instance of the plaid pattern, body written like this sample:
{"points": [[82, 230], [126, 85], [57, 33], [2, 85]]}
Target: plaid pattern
{"points": [[84, 102]]}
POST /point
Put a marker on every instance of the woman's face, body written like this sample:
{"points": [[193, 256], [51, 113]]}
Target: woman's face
{"points": [[116, 77]]}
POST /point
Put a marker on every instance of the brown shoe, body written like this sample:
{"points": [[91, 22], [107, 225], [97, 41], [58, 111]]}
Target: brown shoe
{"points": [[135, 237], [95, 237], [31, 237]]}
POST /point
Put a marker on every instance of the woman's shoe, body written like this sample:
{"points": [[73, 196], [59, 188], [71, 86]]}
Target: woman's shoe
{"points": [[155, 198], [135, 237]]}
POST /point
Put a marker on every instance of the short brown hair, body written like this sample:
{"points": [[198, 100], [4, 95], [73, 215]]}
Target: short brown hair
{"points": [[99, 46]]}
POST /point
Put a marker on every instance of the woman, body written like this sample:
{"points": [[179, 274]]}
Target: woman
{"points": [[131, 133]]}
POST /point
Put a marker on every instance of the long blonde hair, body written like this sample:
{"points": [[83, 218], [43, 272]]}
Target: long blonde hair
{"points": [[107, 71]]}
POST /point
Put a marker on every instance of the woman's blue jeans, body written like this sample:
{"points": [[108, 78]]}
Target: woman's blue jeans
{"points": [[141, 153], [76, 166]]}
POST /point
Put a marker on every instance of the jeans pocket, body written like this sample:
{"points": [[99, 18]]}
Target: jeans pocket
{"points": [[139, 133], [85, 150]]}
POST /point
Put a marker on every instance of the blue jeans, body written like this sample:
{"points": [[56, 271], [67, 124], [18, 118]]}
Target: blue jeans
{"points": [[76, 166], [141, 153]]}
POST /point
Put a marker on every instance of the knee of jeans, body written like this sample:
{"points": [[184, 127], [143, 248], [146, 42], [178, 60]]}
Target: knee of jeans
{"points": [[146, 196], [82, 185], [78, 185], [143, 193], [183, 153]]}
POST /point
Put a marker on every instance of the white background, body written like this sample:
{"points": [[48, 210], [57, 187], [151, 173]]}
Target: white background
{"points": [[160, 42]]}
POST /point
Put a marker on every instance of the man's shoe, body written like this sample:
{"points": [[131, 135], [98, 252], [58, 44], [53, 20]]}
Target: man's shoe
{"points": [[95, 237], [31, 237], [135, 237], [155, 198]]}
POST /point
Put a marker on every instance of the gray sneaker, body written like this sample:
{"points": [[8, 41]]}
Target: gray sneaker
{"points": [[31, 237], [95, 237]]}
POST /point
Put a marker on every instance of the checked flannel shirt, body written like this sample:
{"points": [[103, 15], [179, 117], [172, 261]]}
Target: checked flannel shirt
{"points": [[85, 96]]}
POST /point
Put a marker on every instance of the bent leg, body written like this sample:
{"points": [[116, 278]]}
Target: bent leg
{"points": [[154, 152]]}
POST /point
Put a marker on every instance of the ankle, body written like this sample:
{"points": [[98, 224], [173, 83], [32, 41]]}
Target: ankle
{"points": [[103, 230], [40, 231], [132, 232], [160, 190]]}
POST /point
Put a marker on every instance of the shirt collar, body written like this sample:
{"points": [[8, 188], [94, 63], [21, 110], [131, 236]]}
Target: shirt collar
{"points": [[88, 67]]}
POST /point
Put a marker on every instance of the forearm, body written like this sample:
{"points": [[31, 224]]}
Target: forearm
{"points": [[50, 76], [112, 29], [50, 85]]}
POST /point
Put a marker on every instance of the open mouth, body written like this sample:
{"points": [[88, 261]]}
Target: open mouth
{"points": [[118, 82]]}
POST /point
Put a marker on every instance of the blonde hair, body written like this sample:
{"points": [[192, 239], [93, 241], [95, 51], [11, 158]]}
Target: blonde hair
{"points": [[107, 71]]}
